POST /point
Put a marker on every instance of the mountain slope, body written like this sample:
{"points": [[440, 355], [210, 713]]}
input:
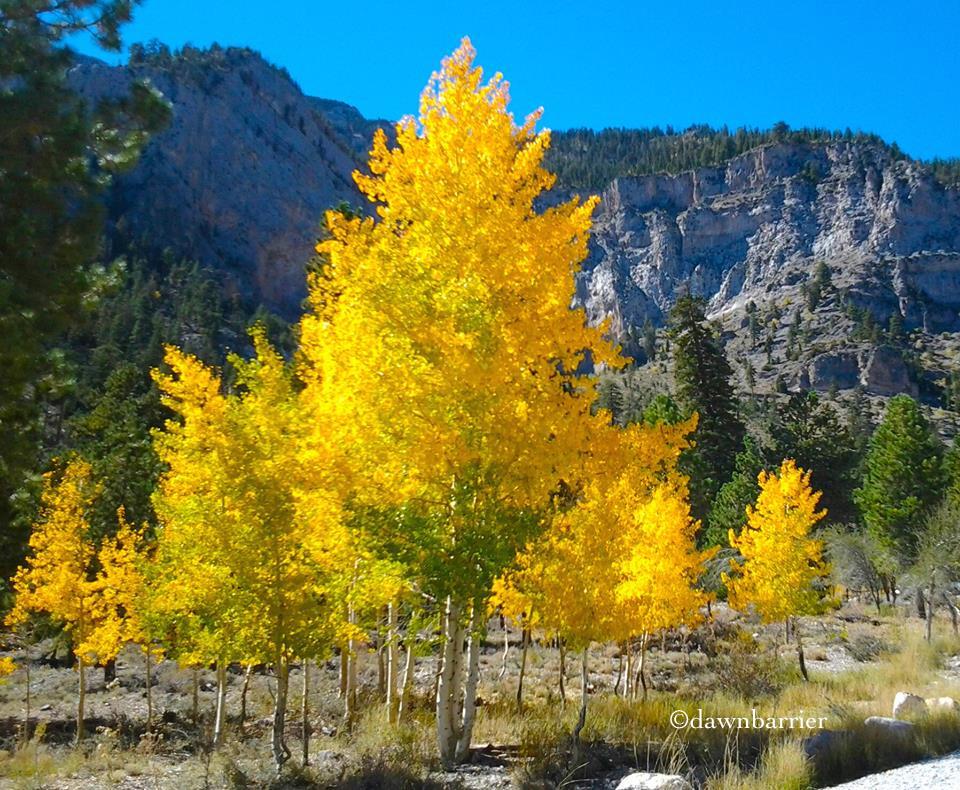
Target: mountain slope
{"points": [[733, 233], [240, 179], [749, 237]]}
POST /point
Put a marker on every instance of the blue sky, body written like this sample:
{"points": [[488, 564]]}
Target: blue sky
{"points": [[888, 67]]}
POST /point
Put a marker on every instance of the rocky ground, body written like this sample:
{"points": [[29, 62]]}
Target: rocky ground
{"points": [[120, 754]]}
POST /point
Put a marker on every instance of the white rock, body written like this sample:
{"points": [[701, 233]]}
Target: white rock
{"points": [[650, 781], [908, 706], [944, 704], [893, 726]]}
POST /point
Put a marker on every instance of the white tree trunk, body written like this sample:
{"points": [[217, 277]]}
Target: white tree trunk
{"points": [[305, 715], [243, 694], [149, 667], [195, 713], [447, 685], [641, 677], [393, 661], [350, 675], [616, 686], [582, 717], [278, 745], [470, 687], [407, 688], [506, 651], [221, 715], [563, 672], [81, 696], [524, 646]]}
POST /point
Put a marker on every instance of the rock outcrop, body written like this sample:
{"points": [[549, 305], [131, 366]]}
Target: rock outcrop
{"points": [[736, 233], [894, 727], [644, 780], [241, 177], [908, 706]]}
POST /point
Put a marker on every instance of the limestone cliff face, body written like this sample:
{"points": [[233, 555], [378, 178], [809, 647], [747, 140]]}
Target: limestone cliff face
{"points": [[240, 179], [740, 232]]}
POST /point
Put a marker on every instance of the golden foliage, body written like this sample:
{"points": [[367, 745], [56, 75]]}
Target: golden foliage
{"points": [[251, 547], [58, 578], [622, 560], [780, 560]]}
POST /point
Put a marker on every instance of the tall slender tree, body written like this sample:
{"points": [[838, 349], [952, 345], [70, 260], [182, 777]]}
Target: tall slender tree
{"points": [[779, 562], [904, 476], [58, 152], [248, 565], [445, 328], [703, 376], [58, 578]]}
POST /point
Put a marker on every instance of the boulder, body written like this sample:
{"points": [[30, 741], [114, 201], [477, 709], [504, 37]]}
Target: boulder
{"points": [[893, 726], [943, 705], [821, 742], [908, 706], [834, 370], [883, 372], [643, 780]]}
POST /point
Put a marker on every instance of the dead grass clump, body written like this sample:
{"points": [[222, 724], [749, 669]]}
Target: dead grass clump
{"points": [[866, 647], [745, 669], [783, 766]]}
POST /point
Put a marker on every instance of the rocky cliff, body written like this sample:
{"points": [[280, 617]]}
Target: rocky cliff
{"points": [[737, 233], [750, 235], [240, 179]]}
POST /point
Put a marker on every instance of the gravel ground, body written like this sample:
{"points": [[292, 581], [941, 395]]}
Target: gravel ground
{"points": [[942, 773]]}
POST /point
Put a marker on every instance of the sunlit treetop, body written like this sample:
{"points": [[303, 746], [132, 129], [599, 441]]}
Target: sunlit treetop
{"points": [[780, 560], [442, 325]]}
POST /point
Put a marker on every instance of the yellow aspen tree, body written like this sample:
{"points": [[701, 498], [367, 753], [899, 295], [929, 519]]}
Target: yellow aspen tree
{"points": [[657, 578], [56, 577], [244, 518], [442, 331], [120, 584], [192, 595], [620, 558], [779, 560]]}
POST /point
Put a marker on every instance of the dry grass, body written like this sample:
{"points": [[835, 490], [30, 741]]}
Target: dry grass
{"points": [[722, 670]]}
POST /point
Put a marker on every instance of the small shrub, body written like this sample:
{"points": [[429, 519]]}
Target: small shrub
{"points": [[866, 647], [747, 671]]}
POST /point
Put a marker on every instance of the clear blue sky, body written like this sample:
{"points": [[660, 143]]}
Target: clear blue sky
{"points": [[888, 67]]}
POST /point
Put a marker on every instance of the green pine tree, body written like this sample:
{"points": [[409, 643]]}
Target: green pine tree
{"points": [[703, 385], [114, 436], [809, 430], [729, 508], [57, 151], [904, 476], [649, 340]]}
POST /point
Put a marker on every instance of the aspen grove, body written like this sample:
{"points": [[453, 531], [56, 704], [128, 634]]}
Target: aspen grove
{"points": [[432, 454]]}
